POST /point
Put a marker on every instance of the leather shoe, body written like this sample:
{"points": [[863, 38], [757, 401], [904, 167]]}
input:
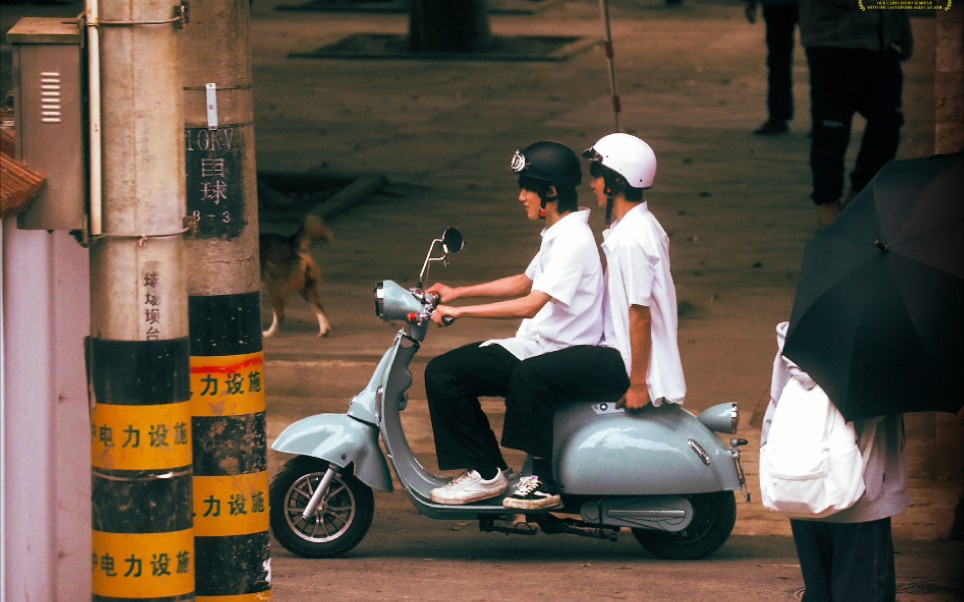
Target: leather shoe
{"points": [[772, 128], [827, 212]]}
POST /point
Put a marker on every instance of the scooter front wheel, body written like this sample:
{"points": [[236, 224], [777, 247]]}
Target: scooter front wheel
{"points": [[714, 516], [341, 520]]}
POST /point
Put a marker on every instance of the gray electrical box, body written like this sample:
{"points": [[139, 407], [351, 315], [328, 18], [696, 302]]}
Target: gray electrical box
{"points": [[49, 119]]}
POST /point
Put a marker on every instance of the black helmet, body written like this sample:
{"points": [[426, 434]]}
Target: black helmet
{"points": [[548, 162]]}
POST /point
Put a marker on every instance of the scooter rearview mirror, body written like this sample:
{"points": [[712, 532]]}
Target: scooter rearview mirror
{"points": [[452, 240]]}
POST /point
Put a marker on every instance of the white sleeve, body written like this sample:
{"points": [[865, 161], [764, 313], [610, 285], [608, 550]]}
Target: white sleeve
{"points": [[563, 269], [637, 271]]}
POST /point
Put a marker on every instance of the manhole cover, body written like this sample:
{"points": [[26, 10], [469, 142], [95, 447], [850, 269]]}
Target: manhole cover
{"points": [[504, 48], [285, 197], [281, 194], [505, 7]]}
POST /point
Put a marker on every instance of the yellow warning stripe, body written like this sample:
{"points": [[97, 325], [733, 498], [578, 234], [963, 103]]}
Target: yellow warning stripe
{"points": [[141, 437], [227, 385], [231, 505], [143, 565]]}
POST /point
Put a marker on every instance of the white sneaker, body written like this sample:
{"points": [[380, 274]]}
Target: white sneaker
{"points": [[533, 494], [470, 487]]}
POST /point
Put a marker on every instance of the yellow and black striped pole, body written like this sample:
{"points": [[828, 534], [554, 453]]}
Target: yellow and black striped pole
{"points": [[138, 354], [232, 544], [143, 537], [230, 449]]}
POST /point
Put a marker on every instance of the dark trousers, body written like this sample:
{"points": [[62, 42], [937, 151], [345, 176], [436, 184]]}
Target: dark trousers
{"points": [[781, 21], [844, 81], [852, 562], [454, 382], [538, 384]]}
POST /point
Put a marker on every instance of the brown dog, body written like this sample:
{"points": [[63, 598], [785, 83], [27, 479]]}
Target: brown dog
{"points": [[288, 267]]}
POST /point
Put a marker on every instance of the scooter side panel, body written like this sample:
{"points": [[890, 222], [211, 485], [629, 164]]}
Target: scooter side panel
{"points": [[671, 513], [660, 451], [341, 440]]}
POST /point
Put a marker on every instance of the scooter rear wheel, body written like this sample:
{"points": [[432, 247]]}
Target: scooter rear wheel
{"points": [[714, 515], [341, 521]]}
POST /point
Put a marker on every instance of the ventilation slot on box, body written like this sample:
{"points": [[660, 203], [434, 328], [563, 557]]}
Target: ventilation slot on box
{"points": [[50, 97]]}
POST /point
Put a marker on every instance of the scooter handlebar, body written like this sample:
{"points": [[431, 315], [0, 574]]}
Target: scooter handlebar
{"points": [[429, 301], [434, 298]]}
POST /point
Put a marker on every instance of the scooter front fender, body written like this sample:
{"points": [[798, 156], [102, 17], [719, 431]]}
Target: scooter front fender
{"points": [[341, 440]]}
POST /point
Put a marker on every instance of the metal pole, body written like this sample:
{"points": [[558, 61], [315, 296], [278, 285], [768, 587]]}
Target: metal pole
{"points": [[95, 143], [227, 363], [138, 352], [610, 56]]}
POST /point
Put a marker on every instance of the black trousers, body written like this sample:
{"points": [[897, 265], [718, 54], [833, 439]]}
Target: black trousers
{"points": [[538, 384], [852, 562], [781, 21], [454, 382], [844, 81]]}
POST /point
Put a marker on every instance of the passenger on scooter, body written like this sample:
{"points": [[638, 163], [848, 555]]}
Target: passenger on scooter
{"points": [[640, 324], [558, 298]]}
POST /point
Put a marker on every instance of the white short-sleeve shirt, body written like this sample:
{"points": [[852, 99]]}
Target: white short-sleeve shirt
{"points": [[638, 273], [567, 268]]}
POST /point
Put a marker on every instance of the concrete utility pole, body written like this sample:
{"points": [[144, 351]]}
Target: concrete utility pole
{"points": [[227, 363], [138, 352]]}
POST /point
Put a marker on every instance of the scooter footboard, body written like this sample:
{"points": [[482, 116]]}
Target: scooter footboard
{"points": [[341, 440]]}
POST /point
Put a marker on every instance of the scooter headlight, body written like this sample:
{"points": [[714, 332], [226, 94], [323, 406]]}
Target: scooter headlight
{"points": [[379, 299], [392, 302]]}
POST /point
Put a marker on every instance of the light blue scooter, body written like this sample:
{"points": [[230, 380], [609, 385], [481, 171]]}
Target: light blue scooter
{"points": [[662, 473]]}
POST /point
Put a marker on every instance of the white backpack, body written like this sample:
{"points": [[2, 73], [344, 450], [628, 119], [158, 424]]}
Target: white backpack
{"points": [[811, 465]]}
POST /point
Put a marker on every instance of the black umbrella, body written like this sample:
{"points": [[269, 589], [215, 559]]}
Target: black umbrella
{"points": [[877, 316]]}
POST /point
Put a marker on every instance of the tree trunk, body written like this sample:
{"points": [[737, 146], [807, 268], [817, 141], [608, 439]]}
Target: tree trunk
{"points": [[460, 26]]}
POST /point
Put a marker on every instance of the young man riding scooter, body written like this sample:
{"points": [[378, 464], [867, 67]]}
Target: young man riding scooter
{"points": [[558, 298], [640, 323]]}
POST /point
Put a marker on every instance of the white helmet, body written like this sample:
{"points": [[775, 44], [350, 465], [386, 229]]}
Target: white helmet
{"points": [[628, 156]]}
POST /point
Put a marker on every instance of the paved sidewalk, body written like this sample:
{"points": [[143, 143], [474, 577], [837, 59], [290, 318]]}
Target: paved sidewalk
{"points": [[692, 81]]}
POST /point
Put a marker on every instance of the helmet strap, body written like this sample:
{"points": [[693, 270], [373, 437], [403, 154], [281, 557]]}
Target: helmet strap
{"points": [[610, 195], [613, 182]]}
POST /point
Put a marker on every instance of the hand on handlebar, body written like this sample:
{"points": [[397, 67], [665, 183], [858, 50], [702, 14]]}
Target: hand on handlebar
{"points": [[444, 315], [443, 292]]}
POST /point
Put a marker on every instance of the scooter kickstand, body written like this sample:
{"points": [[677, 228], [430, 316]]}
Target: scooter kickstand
{"points": [[553, 525], [487, 524]]}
